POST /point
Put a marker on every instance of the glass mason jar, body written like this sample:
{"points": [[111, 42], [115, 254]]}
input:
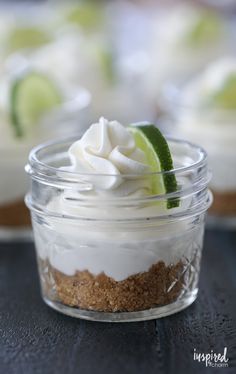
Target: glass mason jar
{"points": [[107, 258], [215, 130]]}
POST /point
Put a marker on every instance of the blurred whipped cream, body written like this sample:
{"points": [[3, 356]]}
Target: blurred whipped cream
{"points": [[116, 85], [64, 54], [65, 118], [204, 90], [184, 39], [204, 117]]}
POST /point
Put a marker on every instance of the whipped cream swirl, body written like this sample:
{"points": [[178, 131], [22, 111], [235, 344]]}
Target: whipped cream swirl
{"points": [[211, 81], [109, 159]]}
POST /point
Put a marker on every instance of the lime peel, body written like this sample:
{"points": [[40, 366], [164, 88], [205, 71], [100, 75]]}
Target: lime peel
{"points": [[26, 37], [151, 141], [31, 96]]}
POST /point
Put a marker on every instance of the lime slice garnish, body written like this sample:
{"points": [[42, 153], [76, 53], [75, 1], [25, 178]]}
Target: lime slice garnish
{"points": [[32, 96], [206, 28], [225, 96], [106, 61], [26, 37], [88, 15], [151, 141]]}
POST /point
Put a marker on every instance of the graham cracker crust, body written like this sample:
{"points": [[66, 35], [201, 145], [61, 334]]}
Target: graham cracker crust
{"points": [[15, 214], [160, 285], [224, 204]]}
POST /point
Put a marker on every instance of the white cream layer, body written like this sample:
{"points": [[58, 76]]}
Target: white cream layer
{"points": [[117, 251]]}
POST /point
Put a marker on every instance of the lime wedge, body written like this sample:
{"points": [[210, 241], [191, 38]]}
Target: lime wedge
{"points": [[31, 96], [26, 37], [88, 15], [206, 28], [106, 61], [225, 96], [151, 141]]}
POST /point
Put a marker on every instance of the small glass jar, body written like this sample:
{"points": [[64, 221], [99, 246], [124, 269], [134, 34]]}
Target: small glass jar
{"points": [[107, 258], [215, 130]]}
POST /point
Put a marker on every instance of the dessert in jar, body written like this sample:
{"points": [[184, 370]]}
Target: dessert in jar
{"points": [[196, 36], [109, 78], [90, 51], [205, 110], [23, 29], [31, 102], [88, 15], [118, 220]]}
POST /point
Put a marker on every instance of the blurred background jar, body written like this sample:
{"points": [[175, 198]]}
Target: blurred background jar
{"points": [[203, 109], [34, 106], [185, 36]]}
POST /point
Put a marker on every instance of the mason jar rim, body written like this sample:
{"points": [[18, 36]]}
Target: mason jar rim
{"points": [[36, 165]]}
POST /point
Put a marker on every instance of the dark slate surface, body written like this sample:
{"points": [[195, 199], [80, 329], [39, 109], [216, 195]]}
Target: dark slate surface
{"points": [[35, 339]]}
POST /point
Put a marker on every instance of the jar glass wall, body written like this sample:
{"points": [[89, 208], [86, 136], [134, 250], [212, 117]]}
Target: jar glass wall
{"points": [[109, 258]]}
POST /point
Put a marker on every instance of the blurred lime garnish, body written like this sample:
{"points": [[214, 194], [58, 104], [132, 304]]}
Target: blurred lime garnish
{"points": [[26, 37], [206, 28], [107, 64], [86, 14], [151, 141], [225, 97], [32, 96]]}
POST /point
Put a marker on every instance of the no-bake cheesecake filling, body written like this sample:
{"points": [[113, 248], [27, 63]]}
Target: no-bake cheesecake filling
{"points": [[105, 242]]}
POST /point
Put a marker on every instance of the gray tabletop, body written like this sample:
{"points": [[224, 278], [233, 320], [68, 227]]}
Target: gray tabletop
{"points": [[36, 339]]}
